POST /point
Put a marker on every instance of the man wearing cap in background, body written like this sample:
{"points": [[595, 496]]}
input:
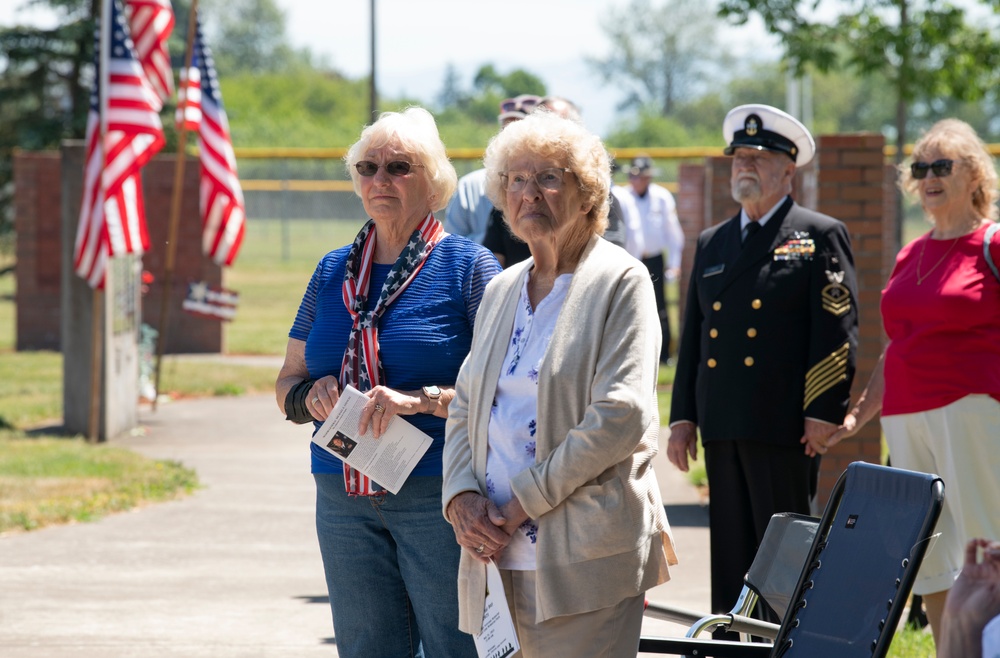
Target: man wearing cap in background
{"points": [[468, 212], [508, 248], [767, 347], [652, 229]]}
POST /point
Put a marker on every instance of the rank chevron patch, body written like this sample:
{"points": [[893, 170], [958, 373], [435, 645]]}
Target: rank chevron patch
{"points": [[826, 374], [835, 297]]}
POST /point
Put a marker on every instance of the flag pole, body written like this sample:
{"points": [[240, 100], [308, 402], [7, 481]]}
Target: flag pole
{"points": [[175, 205], [97, 305]]}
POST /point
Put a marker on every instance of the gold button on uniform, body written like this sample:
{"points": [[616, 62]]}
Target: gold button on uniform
{"points": [[712, 363], [751, 332], [748, 361], [755, 303], [717, 306], [714, 333]]}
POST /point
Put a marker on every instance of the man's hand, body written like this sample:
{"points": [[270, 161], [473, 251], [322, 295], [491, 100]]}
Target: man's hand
{"points": [[819, 437], [683, 442]]}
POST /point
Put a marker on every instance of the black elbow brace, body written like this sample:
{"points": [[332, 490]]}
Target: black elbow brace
{"points": [[295, 403]]}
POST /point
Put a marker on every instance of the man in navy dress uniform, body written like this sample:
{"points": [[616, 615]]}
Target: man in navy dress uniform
{"points": [[768, 344]]}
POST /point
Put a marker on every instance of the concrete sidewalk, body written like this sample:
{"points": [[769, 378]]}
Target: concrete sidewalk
{"points": [[232, 570]]}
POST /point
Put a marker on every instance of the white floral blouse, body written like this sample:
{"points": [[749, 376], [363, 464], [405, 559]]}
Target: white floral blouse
{"points": [[511, 436]]}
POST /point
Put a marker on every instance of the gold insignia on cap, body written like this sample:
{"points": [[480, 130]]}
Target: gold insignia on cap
{"points": [[752, 125], [826, 374]]}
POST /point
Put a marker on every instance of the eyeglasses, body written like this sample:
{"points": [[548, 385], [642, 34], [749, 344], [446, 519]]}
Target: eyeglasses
{"points": [[549, 179], [367, 168], [941, 168], [524, 104]]}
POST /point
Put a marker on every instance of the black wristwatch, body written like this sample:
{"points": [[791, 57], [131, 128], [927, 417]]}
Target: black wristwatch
{"points": [[432, 393]]}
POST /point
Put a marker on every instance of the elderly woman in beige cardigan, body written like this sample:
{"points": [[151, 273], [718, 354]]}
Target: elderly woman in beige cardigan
{"points": [[553, 428]]}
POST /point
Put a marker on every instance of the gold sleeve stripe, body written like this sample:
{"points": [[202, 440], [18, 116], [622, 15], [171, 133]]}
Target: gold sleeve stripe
{"points": [[830, 364], [823, 386], [829, 367], [826, 374], [822, 381]]}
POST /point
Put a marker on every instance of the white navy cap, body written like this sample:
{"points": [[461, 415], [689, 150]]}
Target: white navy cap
{"points": [[767, 128]]}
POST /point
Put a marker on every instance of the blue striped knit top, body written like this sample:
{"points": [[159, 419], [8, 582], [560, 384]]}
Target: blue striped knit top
{"points": [[424, 336]]}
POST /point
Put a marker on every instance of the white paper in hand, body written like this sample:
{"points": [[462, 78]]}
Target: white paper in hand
{"points": [[498, 638], [388, 460]]}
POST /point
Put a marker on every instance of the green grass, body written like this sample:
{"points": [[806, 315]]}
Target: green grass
{"points": [[271, 275], [6, 304], [30, 387], [46, 481], [910, 642], [184, 378]]}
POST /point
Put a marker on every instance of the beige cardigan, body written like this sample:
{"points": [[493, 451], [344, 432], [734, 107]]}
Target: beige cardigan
{"points": [[603, 535]]}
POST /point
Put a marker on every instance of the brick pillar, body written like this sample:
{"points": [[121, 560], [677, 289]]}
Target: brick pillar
{"points": [[186, 333], [37, 221], [37, 216], [691, 213], [852, 180]]}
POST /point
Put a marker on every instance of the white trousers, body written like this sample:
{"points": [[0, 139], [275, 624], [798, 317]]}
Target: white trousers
{"points": [[961, 443]]}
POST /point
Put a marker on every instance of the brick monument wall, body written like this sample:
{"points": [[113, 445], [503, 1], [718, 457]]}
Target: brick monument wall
{"points": [[38, 208], [38, 223], [852, 189]]}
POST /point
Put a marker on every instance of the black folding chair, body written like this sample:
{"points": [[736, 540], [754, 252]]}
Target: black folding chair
{"points": [[771, 578], [860, 568]]}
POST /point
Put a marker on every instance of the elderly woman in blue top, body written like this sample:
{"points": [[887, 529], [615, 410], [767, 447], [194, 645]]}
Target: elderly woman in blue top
{"points": [[547, 464], [391, 314]]}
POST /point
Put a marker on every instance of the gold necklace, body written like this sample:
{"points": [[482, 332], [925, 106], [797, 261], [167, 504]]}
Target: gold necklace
{"points": [[920, 258]]}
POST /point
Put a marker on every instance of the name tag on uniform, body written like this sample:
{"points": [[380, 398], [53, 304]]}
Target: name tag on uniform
{"points": [[713, 270]]}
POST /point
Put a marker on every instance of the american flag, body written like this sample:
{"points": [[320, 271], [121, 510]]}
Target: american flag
{"points": [[112, 217], [151, 22], [221, 198]]}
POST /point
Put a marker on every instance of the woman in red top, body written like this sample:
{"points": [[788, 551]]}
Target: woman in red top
{"points": [[937, 383]]}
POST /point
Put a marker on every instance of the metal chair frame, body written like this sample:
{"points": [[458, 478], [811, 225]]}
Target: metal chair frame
{"points": [[874, 494]]}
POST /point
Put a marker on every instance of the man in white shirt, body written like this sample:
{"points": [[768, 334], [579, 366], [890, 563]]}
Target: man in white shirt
{"points": [[654, 230]]}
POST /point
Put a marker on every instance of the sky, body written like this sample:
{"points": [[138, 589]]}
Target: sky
{"points": [[417, 40]]}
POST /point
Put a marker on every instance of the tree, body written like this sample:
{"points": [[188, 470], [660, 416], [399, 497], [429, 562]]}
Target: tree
{"points": [[451, 91], [45, 78], [659, 55], [489, 87], [923, 49], [251, 36]]}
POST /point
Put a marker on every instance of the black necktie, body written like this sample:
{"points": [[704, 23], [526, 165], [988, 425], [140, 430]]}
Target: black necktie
{"points": [[751, 229]]}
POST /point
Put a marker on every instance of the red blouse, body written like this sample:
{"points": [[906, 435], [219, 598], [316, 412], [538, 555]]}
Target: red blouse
{"points": [[945, 330]]}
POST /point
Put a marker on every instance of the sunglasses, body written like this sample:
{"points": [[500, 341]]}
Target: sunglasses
{"points": [[941, 168], [367, 168], [520, 104]]}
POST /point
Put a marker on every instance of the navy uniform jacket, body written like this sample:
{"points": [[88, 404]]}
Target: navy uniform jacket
{"points": [[770, 331]]}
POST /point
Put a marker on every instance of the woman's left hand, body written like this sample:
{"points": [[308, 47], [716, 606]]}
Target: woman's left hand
{"points": [[383, 404], [480, 527]]}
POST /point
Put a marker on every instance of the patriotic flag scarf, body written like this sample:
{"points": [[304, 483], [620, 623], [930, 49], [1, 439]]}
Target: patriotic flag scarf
{"points": [[361, 367]]}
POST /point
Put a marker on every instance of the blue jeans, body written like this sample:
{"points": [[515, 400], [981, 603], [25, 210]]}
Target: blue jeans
{"points": [[391, 564]]}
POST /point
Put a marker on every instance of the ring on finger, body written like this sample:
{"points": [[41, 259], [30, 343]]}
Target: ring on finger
{"points": [[379, 408], [315, 399], [481, 548]]}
